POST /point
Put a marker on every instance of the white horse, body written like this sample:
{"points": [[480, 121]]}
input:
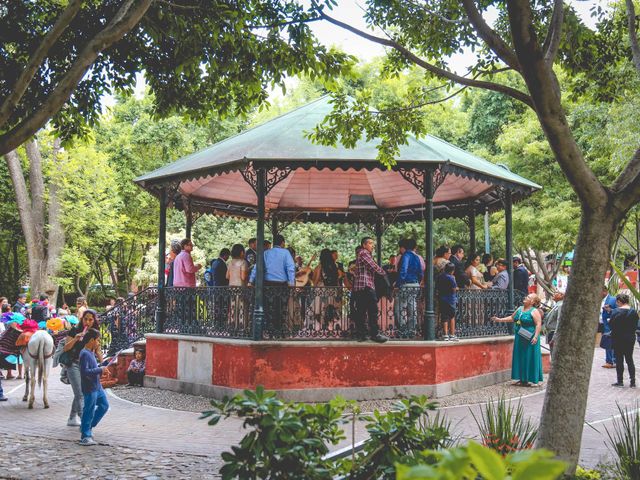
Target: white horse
{"points": [[37, 357]]}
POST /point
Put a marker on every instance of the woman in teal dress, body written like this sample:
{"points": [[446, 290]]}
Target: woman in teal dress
{"points": [[526, 364]]}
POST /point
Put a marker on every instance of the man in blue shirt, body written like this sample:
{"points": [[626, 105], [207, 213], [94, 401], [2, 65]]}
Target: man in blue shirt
{"points": [[409, 277], [608, 306], [279, 275]]}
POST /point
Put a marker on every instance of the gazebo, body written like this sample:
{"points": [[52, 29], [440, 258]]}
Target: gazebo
{"points": [[273, 172]]}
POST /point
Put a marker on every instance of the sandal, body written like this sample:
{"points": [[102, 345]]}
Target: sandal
{"points": [[517, 384]]}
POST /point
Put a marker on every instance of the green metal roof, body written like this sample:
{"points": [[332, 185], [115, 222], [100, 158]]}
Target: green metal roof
{"points": [[282, 141]]}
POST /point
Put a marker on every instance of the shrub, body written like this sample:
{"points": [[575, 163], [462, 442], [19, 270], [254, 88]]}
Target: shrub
{"points": [[475, 461], [504, 428], [400, 436], [583, 474], [625, 442], [286, 440]]}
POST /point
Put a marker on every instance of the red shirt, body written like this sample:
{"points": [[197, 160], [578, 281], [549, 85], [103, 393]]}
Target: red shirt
{"points": [[365, 272]]}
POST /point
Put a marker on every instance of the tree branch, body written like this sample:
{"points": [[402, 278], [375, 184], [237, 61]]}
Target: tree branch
{"points": [[496, 87], [125, 19], [490, 37], [626, 188], [24, 80], [552, 42], [633, 36], [543, 88]]}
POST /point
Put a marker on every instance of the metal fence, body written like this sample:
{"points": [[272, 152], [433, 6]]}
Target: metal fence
{"points": [[293, 313], [129, 320]]}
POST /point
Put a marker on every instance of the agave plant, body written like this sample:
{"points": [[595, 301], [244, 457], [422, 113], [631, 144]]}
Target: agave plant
{"points": [[614, 285], [624, 440], [504, 427]]}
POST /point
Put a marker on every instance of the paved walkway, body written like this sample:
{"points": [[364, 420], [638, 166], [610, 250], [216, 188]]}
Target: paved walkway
{"points": [[147, 442]]}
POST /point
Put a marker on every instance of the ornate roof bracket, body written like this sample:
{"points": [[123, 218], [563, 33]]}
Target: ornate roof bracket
{"points": [[415, 176], [274, 176], [502, 193]]}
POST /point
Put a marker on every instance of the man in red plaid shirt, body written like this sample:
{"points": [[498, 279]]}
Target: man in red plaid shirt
{"points": [[364, 292]]}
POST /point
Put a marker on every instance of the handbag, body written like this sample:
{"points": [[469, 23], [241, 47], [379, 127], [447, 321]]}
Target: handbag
{"points": [[605, 341], [525, 334]]}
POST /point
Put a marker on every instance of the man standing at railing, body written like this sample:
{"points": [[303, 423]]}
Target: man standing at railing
{"points": [[408, 283], [279, 271], [366, 301], [184, 271]]}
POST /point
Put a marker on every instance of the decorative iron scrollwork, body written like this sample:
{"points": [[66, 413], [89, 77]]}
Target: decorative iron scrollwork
{"points": [[274, 176], [416, 177], [503, 194]]}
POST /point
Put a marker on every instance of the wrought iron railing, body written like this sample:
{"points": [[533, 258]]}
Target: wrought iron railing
{"points": [[209, 311], [295, 313], [129, 320], [476, 307]]}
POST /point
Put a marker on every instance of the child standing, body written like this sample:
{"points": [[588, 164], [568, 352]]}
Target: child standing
{"points": [[135, 372], [95, 400], [447, 289]]}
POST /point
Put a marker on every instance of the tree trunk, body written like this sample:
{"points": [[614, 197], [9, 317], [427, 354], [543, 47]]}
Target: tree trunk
{"points": [[43, 252], [565, 400]]}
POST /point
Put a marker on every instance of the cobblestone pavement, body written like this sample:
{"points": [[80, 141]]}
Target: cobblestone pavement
{"points": [[52, 459], [140, 441]]}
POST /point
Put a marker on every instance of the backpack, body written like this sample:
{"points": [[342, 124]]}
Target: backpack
{"points": [[208, 277]]}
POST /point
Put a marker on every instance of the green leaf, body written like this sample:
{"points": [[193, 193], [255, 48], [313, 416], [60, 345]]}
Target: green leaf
{"points": [[490, 465]]}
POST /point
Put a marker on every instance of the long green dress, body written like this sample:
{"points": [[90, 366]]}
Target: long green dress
{"points": [[526, 364]]}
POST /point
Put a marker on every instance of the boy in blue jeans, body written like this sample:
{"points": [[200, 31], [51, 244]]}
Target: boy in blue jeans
{"points": [[95, 400]]}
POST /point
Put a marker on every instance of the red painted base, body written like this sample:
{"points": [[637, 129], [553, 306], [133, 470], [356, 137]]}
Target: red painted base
{"points": [[289, 366]]}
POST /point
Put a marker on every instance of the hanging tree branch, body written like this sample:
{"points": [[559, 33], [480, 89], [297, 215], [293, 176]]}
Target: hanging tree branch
{"points": [[24, 80], [441, 72], [125, 19]]}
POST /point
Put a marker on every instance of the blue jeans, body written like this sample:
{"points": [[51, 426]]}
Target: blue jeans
{"points": [[1, 391], [610, 357], [95, 407]]}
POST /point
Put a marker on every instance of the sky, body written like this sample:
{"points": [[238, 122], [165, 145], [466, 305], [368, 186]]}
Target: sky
{"points": [[352, 12]]}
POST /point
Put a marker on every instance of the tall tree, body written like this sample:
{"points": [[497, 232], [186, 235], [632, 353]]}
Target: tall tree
{"points": [[57, 59], [525, 39], [41, 220]]}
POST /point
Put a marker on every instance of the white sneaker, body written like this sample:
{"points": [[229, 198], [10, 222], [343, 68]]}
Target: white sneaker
{"points": [[453, 338], [88, 441], [445, 338], [73, 422]]}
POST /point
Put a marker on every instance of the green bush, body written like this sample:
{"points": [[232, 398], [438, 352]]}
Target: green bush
{"points": [[285, 441], [400, 436], [504, 428], [583, 474], [624, 440], [475, 461]]}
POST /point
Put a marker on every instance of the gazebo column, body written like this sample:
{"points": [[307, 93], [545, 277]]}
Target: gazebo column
{"points": [[472, 228], [429, 314], [258, 309], [508, 207], [487, 233], [162, 246], [378, 231], [189, 219], [274, 226]]}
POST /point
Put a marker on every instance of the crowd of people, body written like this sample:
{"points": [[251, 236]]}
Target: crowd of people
{"points": [[78, 350], [368, 282]]}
